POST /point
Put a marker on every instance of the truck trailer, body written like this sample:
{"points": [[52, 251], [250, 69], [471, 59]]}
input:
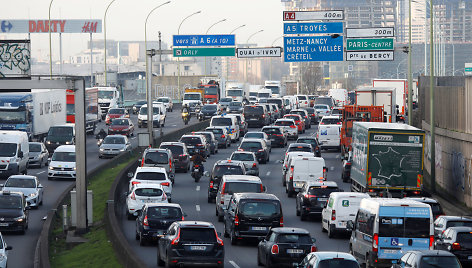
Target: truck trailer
{"points": [[386, 97], [92, 111], [401, 93]]}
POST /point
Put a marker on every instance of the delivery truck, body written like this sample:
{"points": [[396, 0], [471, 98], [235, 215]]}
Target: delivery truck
{"points": [[108, 97], [387, 159], [33, 112], [92, 111], [401, 93], [381, 96]]}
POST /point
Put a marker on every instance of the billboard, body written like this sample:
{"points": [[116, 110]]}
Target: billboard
{"points": [[57, 26], [15, 56]]}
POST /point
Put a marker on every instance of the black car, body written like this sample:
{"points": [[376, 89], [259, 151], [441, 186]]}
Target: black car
{"points": [[137, 106], [458, 241], [256, 115], [285, 245], [280, 104], [313, 197], [276, 135], [154, 219], [14, 212], [212, 143], [221, 168], [427, 259], [252, 215], [207, 111], [346, 171], [191, 242], [314, 143], [196, 144], [312, 114], [258, 147], [300, 147], [235, 107], [180, 155]]}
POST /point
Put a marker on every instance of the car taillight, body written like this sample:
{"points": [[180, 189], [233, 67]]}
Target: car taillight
{"points": [[262, 188], [292, 126], [183, 218], [279, 135], [375, 243], [309, 196], [218, 240], [236, 220], [333, 215], [275, 249], [456, 246], [431, 241], [135, 182], [281, 221], [314, 249], [175, 241], [182, 155], [325, 173], [145, 221], [165, 184], [170, 164], [240, 149], [254, 165], [223, 136], [312, 114], [142, 162], [211, 184], [339, 123], [291, 173], [322, 123], [133, 196], [223, 188], [260, 150]]}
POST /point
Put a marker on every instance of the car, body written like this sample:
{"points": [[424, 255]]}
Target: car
{"points": [[231, 184], [137, 106], [256, 115], [195, 107], [289, 126], [38, 154], [312, 115], [346, 171], [259, 135], [4, 248], [302, 171], [329, 259], [228, 121], [285, 245], [141, 194], [435, 206], [168, 104], [331, 120], [235, 107], [60, 135], [62, 165], [114, 145], [242, 123], [211, 140], [122, 126], [280, 105], [28, 185], [270, 111], [457, 240], [302, 100], [221, 135], [116, 113], [326, 100], [249, 160], [444, 222], [288, 159], [252, 215], [208, 111], [258, 147], [277, 135], [337, 111], [14, 211], [196, 144], [322, 110], [154, 219], [159, 157], [315, 144], [276, 114], [221, 168], [191, 242], [224, 102], [313, 197], [151, 175], [328, 133], [300, 147], [304, 114], [180, 155], [428, 259], [298, 120], [158, 115]]}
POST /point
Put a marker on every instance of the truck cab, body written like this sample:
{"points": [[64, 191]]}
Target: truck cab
{"points": [[108, 97], [192, 97]]}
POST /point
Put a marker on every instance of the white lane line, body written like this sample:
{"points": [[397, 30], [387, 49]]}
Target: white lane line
{"points": [[174, 125], [234, 264], [268, 173], [198, 188], [41, 172], [197, 207], [332, 168]]}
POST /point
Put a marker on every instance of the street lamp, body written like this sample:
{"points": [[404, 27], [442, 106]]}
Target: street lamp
{"points": [[239, 27], [207, 33], [105, 38], [50, 44], [247, 43], [227, 61], [270, 65], [178, 59]]}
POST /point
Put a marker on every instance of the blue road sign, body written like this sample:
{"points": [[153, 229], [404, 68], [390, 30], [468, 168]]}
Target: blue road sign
{"points": [[313, 28], [313, 48], [203, 40]]}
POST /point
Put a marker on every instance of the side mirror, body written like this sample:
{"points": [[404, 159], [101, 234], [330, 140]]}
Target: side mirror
{"points": [[130, 174], [206, 174], [39, 186], [20, 154], [264, 189], [350, 225], [8, 248], [28, 207], [313, 240]]}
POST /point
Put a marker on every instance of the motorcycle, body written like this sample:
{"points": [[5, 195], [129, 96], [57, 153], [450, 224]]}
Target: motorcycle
{"points": [[186, 118], [99, 142], [197, 172]]}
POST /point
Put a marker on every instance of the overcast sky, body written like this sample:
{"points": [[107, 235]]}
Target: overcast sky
{"points": [[125, 20]]}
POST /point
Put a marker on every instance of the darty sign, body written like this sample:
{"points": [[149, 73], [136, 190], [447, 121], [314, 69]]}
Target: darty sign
{"points": [[57, 26]]}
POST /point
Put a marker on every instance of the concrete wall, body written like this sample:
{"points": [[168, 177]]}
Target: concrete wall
{"points": [[167, 85]]}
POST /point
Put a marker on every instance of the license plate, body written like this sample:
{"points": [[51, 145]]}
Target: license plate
{"points": [[295, 251], [323, 199], [3, 224], [390, 251], [273, 139], [148, 201], [256, 228], [342, 224], [470, 257], [61, 172], [197, 248]]}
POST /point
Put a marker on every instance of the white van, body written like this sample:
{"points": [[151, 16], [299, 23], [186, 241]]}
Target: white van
{"points": [[62, 165], [340, 208], [290, 102], [288, 158], [303, 101], [14, 153], [339, 96], [329, 134], [230, 122], [302, 170], [158, 115]]}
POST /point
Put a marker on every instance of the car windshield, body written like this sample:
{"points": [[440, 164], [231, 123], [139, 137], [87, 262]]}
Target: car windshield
{"points": [[319, 190], [148, 192], [458, 223], [336, 111], [10, 202], [199, 235], [404, 227], [20, 183], [294, 238], [60, 131], [156, 158], [116, 111], [192, 97], [13, 116], [226, 100], [260, 208], [210, 108], [221, 170], [34, 147], [302, 113], [301, 97], [63, 156], [294, 117], [234, 92], [330, 121], [246, 145], [242, 187], [321, 107], [163, 100], [264, 95], [120, 122], [338, 263], [308, 141], [114, 140], [211, 91], [242, 157], [436, 208], [175, 149], [464, 237], [327, 101], [191, 141], [216, 131], [144, 110], [299, 149], [272, 130], [164, 213], [236, 104], [276, 101], [151, 176], [439, 261], [254, 135], [253, 110], [284, 123], [221, 121]]}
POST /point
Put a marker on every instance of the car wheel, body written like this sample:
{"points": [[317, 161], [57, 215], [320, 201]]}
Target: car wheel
{"points": [[297, 210], [234, 239], [209, 200], [129, 216], [142, 241], [330, 231], [259, 263], [160, 262]]}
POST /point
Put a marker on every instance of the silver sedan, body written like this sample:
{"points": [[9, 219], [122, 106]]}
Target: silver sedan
{"points": [[249, 160], [28, 185]]}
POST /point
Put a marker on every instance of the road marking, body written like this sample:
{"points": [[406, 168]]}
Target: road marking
{"points": [[234, 264], [198, 188], [41, 172], [197, 207], [133, 138], [331, 168], [174, 125], [268, 173]]}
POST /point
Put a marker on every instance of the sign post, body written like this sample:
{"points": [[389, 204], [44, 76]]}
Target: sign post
{"points": [[203, 40]]}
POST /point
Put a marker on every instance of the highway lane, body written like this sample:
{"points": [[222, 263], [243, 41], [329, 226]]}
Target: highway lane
{"points": [[22, 254], [193, 199]]}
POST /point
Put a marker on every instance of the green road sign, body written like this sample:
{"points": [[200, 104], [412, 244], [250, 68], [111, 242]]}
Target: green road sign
{"points": [[369, 44], [204, 52], [468, 69]]}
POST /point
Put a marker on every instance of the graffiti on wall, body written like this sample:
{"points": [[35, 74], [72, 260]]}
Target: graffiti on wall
{"points": [[15, 58], [169, 91], [458, 170]]}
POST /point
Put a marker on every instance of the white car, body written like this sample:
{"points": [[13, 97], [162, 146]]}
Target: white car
{"points": [[289, 126], [28, 185], [322, 110], [143, 193], [62, 165], [3, 252], [167, 101], [156, 175]]}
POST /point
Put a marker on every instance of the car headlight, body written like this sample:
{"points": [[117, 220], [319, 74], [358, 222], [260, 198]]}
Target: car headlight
{"points": [[33, 195], [101, 149], [68, 142], [75, 168], [122, 149], [19, 219], [48, 142], [51, 168]]}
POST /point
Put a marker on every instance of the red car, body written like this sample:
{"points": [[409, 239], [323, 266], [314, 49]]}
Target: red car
{"points": [[121, 126], [116, 113], [298, 120]]}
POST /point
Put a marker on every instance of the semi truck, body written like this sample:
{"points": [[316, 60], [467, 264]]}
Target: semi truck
{"points": [[339, 96], [401, 93], [33, 112], [192, 96], [370, 96], [92, 112], [275, 88], [237, 91], [108, 97], [211, 91], [387, 159]]}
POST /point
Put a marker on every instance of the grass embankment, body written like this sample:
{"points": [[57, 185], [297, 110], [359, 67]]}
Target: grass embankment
{"points": [[98, 251]]}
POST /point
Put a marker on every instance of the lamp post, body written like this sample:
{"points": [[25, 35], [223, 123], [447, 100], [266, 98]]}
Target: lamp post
{"points": [[227, 63], [178, 59], [270, 65], [247, 43], [410, 79], [431, 96], [50, 44], [105, 38], [211, 26]]}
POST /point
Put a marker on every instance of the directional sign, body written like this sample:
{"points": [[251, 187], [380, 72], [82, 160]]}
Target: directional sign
{"points": [[369, 44], [57, 26], [370, 56], [468, 68], [204, 52], [313, 48], [203, 40], [370, 32], [313, 15], [258, 52], [313, 27]]}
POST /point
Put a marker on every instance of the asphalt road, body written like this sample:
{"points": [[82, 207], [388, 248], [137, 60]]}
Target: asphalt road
{"points": [[193, 199], [22, 254]]}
